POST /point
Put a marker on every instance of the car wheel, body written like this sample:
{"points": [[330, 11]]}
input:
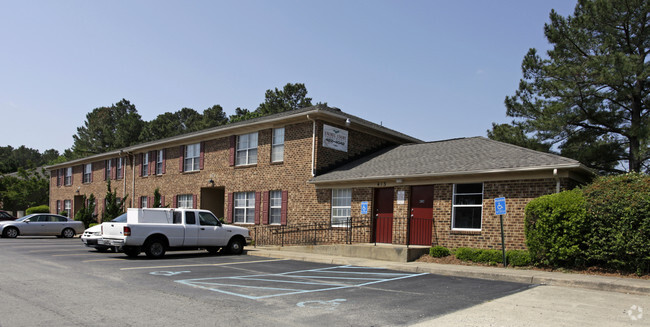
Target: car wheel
{"points": [[132, 252], [10, 232], [155, 249], [235, 246], [67, 233], [213, 250]]}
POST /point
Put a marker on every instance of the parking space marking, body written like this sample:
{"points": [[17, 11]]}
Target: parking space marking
{"points": [[52, 250], [96, 260], [255, 287], [73, 255], [203, 264]]}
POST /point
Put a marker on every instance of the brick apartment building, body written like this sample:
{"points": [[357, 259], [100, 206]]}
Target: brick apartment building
{"points": [[321, 166]]}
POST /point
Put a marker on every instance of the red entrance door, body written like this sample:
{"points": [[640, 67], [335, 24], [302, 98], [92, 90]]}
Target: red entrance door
{"points": [[421, 224], [384, 215]]}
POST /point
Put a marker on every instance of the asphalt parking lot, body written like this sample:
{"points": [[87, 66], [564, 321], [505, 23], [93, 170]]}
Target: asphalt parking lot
{"points": [[63, 282]]}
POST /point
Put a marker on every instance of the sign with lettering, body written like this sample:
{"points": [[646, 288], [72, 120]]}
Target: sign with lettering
{"points": [[335, 138], [364, 207]]}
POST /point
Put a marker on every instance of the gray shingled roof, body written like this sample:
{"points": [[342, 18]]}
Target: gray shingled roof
{"points": [[449, 157]]}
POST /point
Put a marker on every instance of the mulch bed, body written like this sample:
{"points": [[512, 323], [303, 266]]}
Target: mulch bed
{"points": [[451, 260]]}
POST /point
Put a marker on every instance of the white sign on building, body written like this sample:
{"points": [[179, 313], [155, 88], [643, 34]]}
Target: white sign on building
{"points": [[335, 138]]}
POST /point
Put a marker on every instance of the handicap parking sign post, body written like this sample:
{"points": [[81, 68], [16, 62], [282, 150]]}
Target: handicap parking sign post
{"points": [[500, 209]]}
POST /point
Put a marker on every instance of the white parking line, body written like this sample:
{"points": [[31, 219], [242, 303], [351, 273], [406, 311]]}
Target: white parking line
{"points": [[203, 264]]}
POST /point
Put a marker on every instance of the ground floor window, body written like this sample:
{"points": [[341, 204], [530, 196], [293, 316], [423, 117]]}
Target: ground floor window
{"points": [[185, 201], [245, 207], [67, 206], [144, 203], [467, 206], [341, 207], [275, 207]]}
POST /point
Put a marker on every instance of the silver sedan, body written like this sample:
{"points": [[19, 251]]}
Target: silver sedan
{"points": [[41, 224]]}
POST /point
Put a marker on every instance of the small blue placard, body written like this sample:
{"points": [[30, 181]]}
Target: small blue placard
{"points": [[500, 206], [364, 207]]}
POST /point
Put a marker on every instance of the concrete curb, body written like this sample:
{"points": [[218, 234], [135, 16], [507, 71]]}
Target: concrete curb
{"points": [[611, 284]]}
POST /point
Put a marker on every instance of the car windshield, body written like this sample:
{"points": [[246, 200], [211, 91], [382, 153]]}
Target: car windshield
{"points": [[26, 217], [120, 219]]}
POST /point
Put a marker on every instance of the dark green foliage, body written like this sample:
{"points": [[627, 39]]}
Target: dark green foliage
{"points": [[589, 94], [156, 199], [114, 206], [515, 134], [555, 228], [291, 97], [439, 251], [490, 256], [38, 209], [23, 157], [619, 222], [467, 254], [518, 258], [87, 212], [27, 188]]}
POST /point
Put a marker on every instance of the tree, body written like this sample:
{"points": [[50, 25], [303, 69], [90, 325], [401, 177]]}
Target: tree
{"points": [[291, 97], [87, 212], [157, 202], [515, 134], [28, 188], [590, 94], [214, 116], [114, 205], [108, 128]]}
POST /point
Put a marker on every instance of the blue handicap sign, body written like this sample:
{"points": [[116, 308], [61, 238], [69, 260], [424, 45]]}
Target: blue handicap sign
{"points": [[364, 207], [500, 206]]}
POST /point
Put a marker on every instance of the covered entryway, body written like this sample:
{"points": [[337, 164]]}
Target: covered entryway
{"points": [[421, 222], [212, 198], [384, 215]]}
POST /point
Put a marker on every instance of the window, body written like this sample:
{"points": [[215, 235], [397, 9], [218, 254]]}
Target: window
{"points": [[275, 207], [118, 172], [341, 207], [208, 219], [145, 165], [144, 202], [68, 176], [185, 201], [88, 173], [246, 149], [107, 171], [277, 148], [159, 162], [467, 206], [245, 207], [192, 157], [67, 206]]}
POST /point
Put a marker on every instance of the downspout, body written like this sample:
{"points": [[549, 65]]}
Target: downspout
{"points": [[313, 147], [557, 181]]}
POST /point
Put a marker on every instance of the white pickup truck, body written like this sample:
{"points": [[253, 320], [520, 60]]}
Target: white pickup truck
{"points": [[156, 231]]}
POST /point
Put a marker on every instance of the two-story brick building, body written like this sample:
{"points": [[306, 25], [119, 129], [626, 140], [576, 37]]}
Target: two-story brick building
{"points": [[321, 165]]}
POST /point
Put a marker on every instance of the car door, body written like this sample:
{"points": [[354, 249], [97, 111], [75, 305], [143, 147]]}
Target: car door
{"points": [[211, 232], [191, 228], [34, 225], [57, 224]]}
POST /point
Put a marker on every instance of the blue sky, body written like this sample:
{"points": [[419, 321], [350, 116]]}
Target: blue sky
{"points": [[431, 69]]}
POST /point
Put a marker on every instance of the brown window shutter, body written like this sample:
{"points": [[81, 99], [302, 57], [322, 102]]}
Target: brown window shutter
{"points": [[233, 141], [72, 177], [231, 207], [91, 173], [164, 161], [195, 201], [123, 168], [150, 202], [283, 210], [105, 167], [265, 208], [152, 166], [202, 156], [173, 204], [139, 164], [258, 196], [58, 178], [181, 158]]}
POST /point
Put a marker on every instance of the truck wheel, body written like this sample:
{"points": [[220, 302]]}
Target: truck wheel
{"points": [[10, 232], [235, 246], [132, 252], [155, 249], [214, 250]]}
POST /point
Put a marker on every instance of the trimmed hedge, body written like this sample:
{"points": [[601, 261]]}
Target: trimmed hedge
{"points": [[439, 251], [514, 257], [555, 227], [39, 209]]}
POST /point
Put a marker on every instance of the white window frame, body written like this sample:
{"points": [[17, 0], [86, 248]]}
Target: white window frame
{"points": [[67, 207], [185, 201], [246, 150], [275, 207], [144, 202], [109, 167], [118, 169], [88, 170], [145, 164], [455, 206], [191, 157], [68, 176], [244, 208], [341, 207], [159, 161], [277, 145]]}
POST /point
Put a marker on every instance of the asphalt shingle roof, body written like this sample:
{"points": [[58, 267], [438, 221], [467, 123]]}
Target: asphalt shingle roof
{"points": [[456, 156]]}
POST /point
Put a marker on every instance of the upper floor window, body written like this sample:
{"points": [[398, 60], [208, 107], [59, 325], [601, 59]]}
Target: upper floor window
{"points": [[145, 164], [109, 168], [467, 206], [341, 207], [246, 149], [118, 172], [159, 161], [192, 157], [88, 173], [277, 147], [68, 176]]}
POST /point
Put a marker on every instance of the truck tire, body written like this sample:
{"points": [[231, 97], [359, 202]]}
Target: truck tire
{"points": [[235, 246], [131, 251], [155, 248]]}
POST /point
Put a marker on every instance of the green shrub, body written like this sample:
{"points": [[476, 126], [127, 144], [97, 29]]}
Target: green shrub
{"points": [[619, 222], [39, 209], [518, 258], [439, 251], [490, 256], [466, 254], [556, 229], [92, 224]]}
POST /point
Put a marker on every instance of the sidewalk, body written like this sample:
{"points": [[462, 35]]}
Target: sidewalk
{"points": [[612, 284]]}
